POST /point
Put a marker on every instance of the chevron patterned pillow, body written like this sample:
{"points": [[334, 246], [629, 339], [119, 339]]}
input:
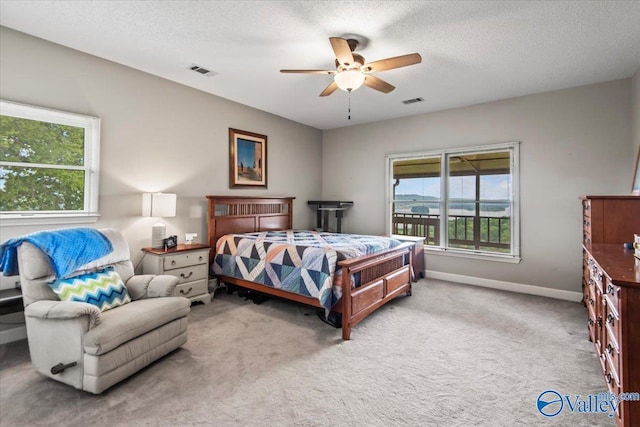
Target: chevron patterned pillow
{"points": [[102, 288]]}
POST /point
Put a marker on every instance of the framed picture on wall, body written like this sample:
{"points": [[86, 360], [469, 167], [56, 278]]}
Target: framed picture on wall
{"points": [[635, 188], [247, 159]]}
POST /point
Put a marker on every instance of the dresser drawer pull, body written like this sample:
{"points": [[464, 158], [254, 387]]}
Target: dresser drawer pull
{"points": [[600, 276], [609, 378], [609, 348], [591, 322], [173, 262], [183, 292], [610, 318], [200, 258], [591, 301], [611, 290], [187, 276]]}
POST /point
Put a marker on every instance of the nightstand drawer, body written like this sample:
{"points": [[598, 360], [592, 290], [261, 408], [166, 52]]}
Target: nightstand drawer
{"points": [[191, 289], [185, 259], [189, 274]]}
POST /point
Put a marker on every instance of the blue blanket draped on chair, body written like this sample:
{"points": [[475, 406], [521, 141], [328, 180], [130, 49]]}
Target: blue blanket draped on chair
{"points": [[67, 249]]}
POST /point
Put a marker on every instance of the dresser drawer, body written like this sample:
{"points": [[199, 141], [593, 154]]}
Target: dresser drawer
{"points": [[612, 293], [191, 289], [597, 275], [612, 354], [189, 274], [612, 322], [185, 259]]}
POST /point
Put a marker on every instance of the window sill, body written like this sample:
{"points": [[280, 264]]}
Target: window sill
{"points": [[473, 255], [25, 220]]}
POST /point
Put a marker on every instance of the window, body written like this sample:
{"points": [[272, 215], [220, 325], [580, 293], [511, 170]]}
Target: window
{"points": [[48, 165], [471, 194]]}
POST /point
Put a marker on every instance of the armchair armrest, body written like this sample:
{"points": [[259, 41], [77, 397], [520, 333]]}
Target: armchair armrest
{"points": [[63, 310], [151, 286]]}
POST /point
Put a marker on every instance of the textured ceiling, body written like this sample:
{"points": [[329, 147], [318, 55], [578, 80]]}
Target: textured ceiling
{"points": [[473, 51]]}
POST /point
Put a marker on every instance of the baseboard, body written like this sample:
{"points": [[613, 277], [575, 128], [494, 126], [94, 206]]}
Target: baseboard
{"points": [[506, 286]]}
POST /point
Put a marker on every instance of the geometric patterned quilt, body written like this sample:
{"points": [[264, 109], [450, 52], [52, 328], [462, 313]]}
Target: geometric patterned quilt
{"points": [[299, 261]]}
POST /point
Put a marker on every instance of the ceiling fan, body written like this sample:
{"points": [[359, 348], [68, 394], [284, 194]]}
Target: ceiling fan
{"points": [[352, 71]]}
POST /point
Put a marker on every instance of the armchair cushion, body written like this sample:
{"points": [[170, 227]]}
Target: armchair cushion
{"points": [[102, 288], [151, 286], [133, 320], [63, 310]]}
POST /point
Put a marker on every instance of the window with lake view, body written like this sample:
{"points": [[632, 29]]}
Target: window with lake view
{"points": [[471, 194]]}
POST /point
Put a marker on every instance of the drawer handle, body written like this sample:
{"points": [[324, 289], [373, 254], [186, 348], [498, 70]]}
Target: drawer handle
{"points": [[610, 318], [609, 348], [610, 289], [173, 262], [187, 276], [609, 378], [200, 258], [183, 292], [590, 281], [591, 322], [591, 301], [600, 276]]}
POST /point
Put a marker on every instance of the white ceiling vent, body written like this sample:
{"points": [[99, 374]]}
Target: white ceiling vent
{"points": [[412, 101], [203, 71]]}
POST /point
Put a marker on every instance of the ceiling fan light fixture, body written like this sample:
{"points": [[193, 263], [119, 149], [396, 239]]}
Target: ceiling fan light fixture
{"points": [[349, 80]]}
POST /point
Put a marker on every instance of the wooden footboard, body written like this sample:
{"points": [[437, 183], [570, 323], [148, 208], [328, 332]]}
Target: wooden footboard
{"points": [[383, 276]]}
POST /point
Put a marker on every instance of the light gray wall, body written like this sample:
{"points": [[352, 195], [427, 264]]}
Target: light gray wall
{"points": [[156, 136], [573, 142]]}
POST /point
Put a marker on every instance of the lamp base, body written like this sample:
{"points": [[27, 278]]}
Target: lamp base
{"points": [[158, 233]]}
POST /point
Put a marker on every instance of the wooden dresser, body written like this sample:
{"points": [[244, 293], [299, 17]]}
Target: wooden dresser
{"points": [[611, 292]]}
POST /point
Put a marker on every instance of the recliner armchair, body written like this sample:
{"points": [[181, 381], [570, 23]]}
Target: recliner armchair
{"points": [[77, 344]]}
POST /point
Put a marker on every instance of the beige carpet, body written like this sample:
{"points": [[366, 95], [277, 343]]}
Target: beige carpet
{"points": [[450, 355]]}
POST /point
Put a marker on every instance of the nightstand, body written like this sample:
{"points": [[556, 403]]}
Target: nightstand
{"points": [[418, 252], [189, 263]]}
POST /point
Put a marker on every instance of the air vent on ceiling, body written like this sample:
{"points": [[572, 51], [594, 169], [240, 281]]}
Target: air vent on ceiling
{"points": [[203, 71], [412, 101]]}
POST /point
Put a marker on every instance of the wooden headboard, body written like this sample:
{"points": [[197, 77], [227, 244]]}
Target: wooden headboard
{"points": [[237, 214]]}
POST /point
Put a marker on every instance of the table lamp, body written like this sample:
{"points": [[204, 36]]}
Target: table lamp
{"points": [[158, 205]]}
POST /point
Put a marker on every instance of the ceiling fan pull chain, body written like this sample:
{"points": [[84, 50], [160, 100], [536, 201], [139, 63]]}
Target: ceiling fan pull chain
{"points": [[349, 105]]}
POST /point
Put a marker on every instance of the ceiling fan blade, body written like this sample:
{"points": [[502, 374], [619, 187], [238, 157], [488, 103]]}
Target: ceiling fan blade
{"points": [[309, 71], [342, 50], [329, 89], [378, 84], [391, 63]]}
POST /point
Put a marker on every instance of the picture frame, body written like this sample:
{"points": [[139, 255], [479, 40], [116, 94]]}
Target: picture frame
{"points": [[247, 159], [635, 187]]}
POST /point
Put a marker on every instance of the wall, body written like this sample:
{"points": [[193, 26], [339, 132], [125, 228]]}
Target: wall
{"points": [[156, 136], [573, 142]]}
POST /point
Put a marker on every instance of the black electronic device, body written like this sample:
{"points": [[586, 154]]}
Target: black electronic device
{"points": [[170, 242]]}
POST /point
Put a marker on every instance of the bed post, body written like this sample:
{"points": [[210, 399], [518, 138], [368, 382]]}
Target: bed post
{"points": [[346, 303]]}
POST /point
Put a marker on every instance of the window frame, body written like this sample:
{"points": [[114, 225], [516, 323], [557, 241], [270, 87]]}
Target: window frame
{"points": [[91, 165], [444, 249]]}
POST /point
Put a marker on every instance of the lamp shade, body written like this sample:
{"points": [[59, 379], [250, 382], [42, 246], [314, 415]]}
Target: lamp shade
{"points": [[158, 204], [349, 80]]}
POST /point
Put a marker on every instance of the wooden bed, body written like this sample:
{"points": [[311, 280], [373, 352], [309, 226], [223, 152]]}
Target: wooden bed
{"points": [[383, 275]]}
